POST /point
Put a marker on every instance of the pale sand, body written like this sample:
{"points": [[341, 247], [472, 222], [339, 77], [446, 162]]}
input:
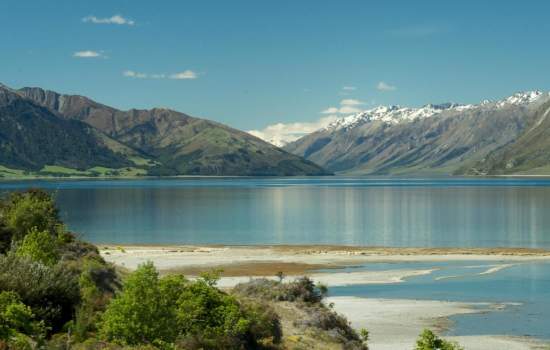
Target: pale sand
{"points": [[395, 324], [182, 257]]}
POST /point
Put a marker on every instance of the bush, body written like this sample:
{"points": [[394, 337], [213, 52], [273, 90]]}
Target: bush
{"points": [[39, 246], [172, 311], [23, 211], [50, 291], [301, 290], [429, 341], [5, 237], [17, 319], [140, 313]]}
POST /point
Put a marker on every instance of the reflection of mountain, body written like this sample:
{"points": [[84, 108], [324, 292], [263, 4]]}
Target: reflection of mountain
{"points": [[444, 139], [336, 211]]}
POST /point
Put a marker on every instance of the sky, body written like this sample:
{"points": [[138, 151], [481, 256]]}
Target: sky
{"points": [[276, 67]]}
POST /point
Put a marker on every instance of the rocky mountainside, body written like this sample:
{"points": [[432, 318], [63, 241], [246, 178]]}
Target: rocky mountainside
{"points": [[528, 154], [32, 136], [445, 139], [163, 141]]}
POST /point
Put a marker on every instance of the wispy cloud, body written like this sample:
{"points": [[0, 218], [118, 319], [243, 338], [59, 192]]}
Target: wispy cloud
{"points": [[116, 19], [349, 88], [89, 54], [347, 106], [383, 86], [185, 75], [280, 134], [351, 102]]}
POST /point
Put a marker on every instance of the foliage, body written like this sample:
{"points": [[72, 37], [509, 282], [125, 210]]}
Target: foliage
{"points": [[429, 341], [50, 291], [173, 310], [39, 246], [95, 294], [307, 296], [302, 289], [32, 209], [139, 314], [17, 319], [5, 237]]}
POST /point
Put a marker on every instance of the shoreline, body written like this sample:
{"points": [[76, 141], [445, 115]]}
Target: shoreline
{"points": [[394, 323], [259, 260]]}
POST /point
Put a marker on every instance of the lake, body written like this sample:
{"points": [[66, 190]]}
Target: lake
{"points": [[428, 212], [526, 285]]}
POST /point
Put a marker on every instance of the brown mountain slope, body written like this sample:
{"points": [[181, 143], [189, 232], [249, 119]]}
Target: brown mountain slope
{"points": [[528, 154], [180, 144]]}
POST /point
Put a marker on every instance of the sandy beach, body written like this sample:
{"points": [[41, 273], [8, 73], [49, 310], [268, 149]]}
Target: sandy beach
{"points": [[393, 323]]}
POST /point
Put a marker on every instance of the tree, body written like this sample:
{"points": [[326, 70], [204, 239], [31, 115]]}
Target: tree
{"points": [[39, 246], [429, 341], [23, 211], [140, 313]]}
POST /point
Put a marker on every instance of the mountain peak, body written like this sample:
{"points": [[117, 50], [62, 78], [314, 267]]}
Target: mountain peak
{"points": [[521, 98], [393, 114]]}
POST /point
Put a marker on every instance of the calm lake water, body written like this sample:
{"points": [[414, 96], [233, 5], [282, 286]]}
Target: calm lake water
{"points": [[526, 285], [333, 210]]}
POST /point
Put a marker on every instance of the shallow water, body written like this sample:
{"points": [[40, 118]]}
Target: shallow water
{"points": [[525, 283], [461, 212]]}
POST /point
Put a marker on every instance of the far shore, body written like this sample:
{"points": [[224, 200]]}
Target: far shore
{"points": [[393, 323]]}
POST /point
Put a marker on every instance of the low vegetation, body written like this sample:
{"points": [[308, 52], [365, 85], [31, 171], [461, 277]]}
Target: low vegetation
{"points": [[57, 292]]}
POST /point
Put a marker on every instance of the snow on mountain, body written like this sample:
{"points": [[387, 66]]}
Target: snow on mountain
{"points": [[520, 98], [398, 114], [392, 115]]}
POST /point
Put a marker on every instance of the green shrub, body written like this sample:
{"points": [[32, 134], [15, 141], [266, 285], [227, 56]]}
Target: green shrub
{"points": [[39, 246], [139, 314], [429, 341], [17, 319], [302, 290], [52, 292], [23, 211], [173, 311]]}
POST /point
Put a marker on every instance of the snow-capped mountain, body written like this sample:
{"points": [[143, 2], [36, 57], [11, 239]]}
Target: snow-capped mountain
{"points": [[444, 138], [391, 114], [396, 114]]}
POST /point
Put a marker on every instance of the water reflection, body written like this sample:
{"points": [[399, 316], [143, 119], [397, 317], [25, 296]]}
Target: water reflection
{"points": [[383, 212]]}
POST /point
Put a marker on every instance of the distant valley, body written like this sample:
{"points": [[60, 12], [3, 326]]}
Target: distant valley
{"points": [[50, 134], [510, 136]]}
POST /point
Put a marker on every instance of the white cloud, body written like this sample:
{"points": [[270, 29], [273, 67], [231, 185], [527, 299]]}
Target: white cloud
{"points": [[348, 110], [330, 110], [349, 88], [116, 19], [187, 74], [347, 106], [88, 54], [132, 74], [280, 134], [351, 102], [383, 86]]}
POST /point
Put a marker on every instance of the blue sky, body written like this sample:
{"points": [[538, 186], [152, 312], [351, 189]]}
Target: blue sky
{"points": [[252, 63]]}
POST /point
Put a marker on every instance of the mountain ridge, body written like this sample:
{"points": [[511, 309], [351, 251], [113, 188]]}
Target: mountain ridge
{"points": [[433, 139], [170, 142]]}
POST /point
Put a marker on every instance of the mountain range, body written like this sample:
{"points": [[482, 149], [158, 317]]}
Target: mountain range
{"points": [[509, 136], [46, 132]]}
